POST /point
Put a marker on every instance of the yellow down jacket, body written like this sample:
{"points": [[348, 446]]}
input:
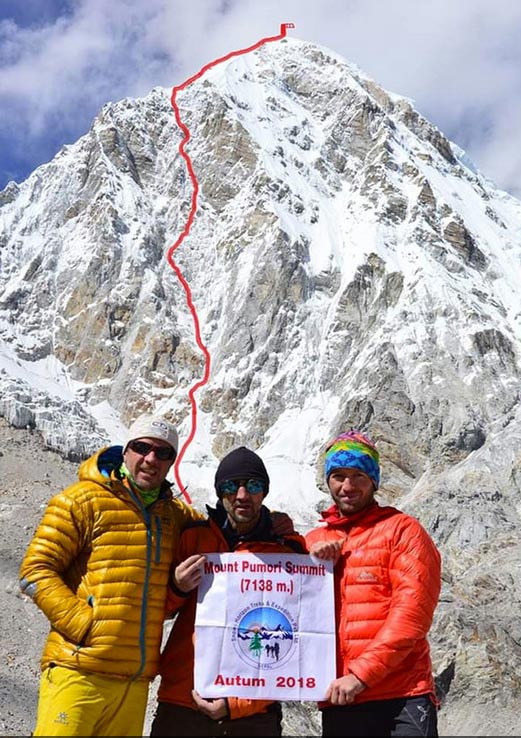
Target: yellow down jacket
{"points": [[98, 569]]}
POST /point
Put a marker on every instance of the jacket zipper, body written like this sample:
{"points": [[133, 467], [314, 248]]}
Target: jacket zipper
{"points": [[144, 601]]}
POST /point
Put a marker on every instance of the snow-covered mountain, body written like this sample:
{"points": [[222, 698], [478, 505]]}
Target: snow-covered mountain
{"points": [[349, 268]]}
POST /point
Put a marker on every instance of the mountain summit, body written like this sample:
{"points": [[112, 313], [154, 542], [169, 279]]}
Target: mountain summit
{"points": [[349, 268]]}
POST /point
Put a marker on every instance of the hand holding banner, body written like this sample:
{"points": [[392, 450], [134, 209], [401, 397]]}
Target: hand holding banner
{"points": [[265, 627]]}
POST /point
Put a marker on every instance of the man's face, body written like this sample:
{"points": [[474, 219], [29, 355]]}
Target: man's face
{"points": [[243, 507], [142, 462], [351, 489]]}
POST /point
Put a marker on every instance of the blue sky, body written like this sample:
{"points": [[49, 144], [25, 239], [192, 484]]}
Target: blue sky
{"points": [[62, 60]]}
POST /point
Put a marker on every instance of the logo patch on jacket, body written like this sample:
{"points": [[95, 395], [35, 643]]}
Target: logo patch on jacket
{"points": [[367, 576]]}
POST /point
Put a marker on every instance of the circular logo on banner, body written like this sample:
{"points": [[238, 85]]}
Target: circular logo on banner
{"points": [[264, 636]]}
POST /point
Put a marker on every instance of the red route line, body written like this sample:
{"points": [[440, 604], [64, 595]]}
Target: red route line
{"points": [[185, 232]]}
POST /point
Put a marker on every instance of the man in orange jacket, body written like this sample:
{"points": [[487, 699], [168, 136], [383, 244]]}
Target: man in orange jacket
{"points": [[240, 522], [387, 583]]}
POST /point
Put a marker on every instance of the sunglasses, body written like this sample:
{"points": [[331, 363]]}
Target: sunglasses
{"points": [[163, 453], [231, 486]]}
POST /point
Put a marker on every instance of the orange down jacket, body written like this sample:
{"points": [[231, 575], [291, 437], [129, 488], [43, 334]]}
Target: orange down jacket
{"points": [[177, 659], [98, 568], [387, 584]]}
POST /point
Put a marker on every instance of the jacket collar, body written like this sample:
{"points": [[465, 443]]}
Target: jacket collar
{"points": [[332, 516], [108, 462]]}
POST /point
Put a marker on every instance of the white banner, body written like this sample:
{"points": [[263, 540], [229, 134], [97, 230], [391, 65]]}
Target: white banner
{"points": [[265, 627]]}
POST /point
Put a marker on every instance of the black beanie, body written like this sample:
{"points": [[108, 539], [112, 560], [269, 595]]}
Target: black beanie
{"points": [[241, 464]]}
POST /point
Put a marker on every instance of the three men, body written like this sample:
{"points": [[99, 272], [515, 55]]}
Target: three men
{"points": [[98, 568]]}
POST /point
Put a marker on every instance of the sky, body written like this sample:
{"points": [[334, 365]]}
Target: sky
{"points": [[459, 61]]}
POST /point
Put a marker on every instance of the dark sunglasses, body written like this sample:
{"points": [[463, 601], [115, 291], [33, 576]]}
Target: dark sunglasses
{"points": [[231, 486], [163, 453]]}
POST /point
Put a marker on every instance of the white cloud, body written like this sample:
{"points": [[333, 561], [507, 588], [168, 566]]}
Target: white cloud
{"points": [[459, 61]]}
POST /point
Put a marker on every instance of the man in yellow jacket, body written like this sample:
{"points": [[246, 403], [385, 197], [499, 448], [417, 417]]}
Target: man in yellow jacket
{"points": [[98, 569]]}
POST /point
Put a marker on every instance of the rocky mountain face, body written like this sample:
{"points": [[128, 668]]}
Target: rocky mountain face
{"points": [[349, 268]]}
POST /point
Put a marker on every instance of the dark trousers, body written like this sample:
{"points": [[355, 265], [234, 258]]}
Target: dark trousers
{"points": [[175, 720], [404, 716]]}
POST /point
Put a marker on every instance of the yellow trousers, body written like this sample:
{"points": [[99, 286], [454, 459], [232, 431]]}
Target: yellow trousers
{"points": [[76, 703]]}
